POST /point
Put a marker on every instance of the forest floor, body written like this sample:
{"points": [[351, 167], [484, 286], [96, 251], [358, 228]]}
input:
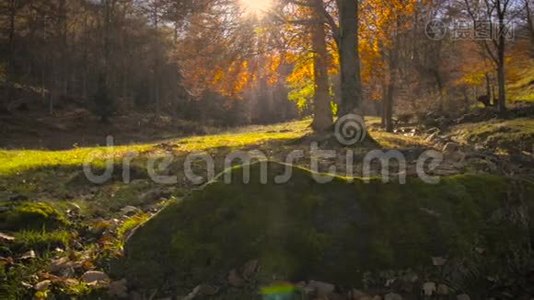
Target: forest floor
{"points": [[60, 234]]}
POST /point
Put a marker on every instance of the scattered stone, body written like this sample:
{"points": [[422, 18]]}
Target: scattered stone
{"points": [[443, 289], [95, 277], [28, 255], [463, 297], [235, 280], [322, 288], [6, 238], [439, 261], [118, 289], [429, 288], [130, 210], [43, 285], [392, 296], [57, 266], [76, 210]]}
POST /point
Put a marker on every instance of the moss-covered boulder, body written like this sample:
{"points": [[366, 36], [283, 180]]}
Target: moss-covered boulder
{"points": [[331, 232], [31, 216]]}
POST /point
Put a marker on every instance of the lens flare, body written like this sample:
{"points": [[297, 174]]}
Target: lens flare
{"points": [[256, 7]]}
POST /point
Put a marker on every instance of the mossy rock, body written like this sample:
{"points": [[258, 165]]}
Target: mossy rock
{"points": [[305, 230], [32, 216]]}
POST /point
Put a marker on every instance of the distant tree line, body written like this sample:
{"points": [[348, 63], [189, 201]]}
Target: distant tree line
{"points": [[207, 60], [109, 56]]}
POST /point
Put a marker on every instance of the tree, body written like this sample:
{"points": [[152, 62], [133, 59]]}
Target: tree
{"points": [[484, 13], [529, 6], [349, 56], [321, 105]]}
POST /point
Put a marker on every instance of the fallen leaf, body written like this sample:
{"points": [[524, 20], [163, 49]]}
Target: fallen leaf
{"points": [[28, 255], [43, 285], [429, 288], [95, 277], [439, 261], [6, 238]]}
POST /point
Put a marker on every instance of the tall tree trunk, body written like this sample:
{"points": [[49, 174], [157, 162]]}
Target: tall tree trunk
{"points": [[383, 109], [351, 86], [64, 63], [501, 51], [4, 103], [530, 24], [393, 63], [388, 107], [488, 87], [156, 87], [390, 90], [322, 120]]}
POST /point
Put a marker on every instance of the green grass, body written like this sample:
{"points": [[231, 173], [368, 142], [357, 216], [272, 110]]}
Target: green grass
{"points": [[33, 216], [41, 239], [255, 135], [13, 161], [130, 224], [507, 135]]}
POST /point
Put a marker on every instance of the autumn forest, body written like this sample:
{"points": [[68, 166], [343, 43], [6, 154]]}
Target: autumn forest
{"points": [[267, 149]]}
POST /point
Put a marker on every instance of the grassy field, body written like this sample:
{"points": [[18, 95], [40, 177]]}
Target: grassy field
{"points": [[21, 160], [502, 135], [51, 205]]}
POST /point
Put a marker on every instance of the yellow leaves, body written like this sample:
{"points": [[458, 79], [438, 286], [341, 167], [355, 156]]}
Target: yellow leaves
{"points": [[232, 80], [381, 21], [303, 69], [234, 77]]}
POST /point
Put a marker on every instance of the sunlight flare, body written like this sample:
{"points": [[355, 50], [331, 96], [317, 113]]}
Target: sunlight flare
{"points": [[256, 8]]}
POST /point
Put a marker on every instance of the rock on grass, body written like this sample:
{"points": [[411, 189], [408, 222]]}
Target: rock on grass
{"points": [[32, 215], [329, 232]]}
